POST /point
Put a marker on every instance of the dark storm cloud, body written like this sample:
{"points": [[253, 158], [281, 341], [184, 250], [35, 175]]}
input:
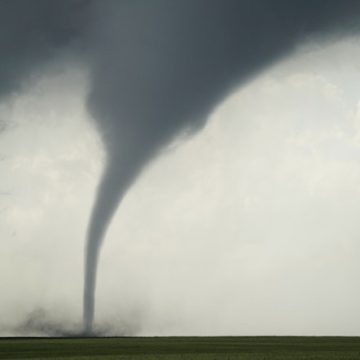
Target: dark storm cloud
{"points": [[157, 68], [31, 33]]}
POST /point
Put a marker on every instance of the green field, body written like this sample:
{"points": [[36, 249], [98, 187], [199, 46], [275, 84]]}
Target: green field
{"points": [[200, 348]]}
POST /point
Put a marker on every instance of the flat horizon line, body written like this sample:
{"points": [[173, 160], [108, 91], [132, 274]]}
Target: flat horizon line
{"points": [[172, 337]]}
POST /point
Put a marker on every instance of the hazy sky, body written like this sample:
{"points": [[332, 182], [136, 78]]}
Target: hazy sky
{"points": [[249, 227]]}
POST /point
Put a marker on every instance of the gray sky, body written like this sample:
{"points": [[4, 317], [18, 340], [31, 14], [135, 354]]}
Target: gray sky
{"points": [[139, 76], [248, 227]]}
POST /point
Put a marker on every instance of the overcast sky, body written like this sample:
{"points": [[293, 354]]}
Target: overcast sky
{"points": [[249, 227]]}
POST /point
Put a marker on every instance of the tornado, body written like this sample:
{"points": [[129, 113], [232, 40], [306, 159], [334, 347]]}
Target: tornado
{"points": [[157, 69], [160, 67]]}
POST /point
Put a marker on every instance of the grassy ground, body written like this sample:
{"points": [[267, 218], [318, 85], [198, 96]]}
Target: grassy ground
{"points": [[176, 348]]}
